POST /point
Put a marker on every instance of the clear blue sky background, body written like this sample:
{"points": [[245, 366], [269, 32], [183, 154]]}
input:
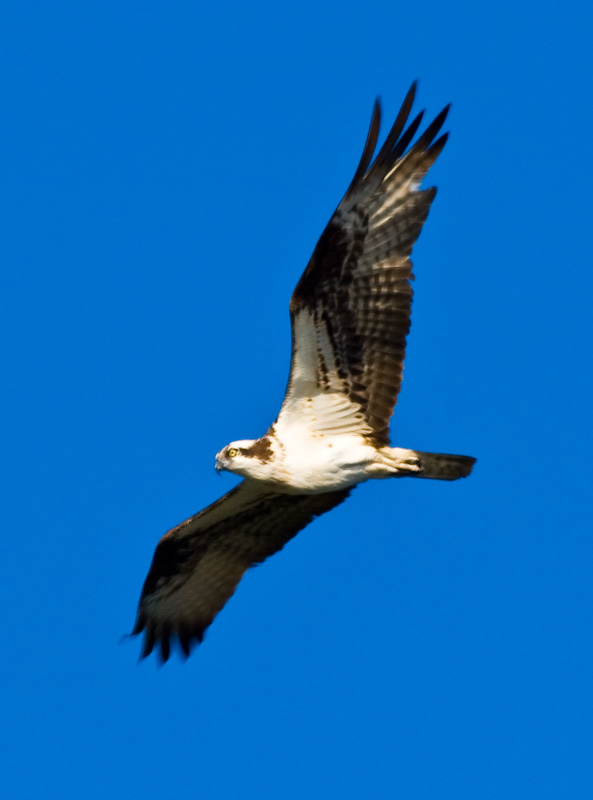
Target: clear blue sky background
{"points": [[166, 170]]}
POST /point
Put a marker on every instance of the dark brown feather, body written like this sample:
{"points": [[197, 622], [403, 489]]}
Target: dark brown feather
{"points": [[369, 145]]}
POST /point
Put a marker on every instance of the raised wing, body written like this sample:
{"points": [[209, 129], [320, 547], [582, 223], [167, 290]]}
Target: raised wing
{"points": [[350, 310], [197, 565]]}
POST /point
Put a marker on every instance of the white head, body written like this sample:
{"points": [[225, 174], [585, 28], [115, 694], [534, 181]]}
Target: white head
{"points": [[251, 458]]}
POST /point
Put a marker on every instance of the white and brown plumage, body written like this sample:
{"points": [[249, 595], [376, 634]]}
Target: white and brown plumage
{"points": [[350, 316]]}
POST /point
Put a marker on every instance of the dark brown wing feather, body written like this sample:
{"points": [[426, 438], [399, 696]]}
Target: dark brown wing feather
{"points": [[356, 290], [197, 565]]}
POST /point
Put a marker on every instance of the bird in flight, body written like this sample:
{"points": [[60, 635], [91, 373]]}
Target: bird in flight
{"points": [[350, 315]]}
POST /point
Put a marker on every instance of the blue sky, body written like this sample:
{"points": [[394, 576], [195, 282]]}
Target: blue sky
{"points": [[166, 171]]}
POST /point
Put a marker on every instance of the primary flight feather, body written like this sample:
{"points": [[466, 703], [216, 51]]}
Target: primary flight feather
{"points": [[350, 315]]}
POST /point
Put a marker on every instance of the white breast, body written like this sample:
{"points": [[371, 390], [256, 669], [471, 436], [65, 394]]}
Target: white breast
{"points": [[313, 462]]}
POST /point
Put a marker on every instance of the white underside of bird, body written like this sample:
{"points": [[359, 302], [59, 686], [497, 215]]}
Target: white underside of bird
{"points": [[303, 462]]}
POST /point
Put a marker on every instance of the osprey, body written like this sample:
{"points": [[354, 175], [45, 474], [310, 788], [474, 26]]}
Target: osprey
{"points": [[350, 315]]}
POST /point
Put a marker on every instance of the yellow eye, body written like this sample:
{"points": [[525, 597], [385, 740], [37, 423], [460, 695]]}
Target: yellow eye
{"points": [[232, 452]]}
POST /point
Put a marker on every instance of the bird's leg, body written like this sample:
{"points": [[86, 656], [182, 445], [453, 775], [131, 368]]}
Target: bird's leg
{"points": [[396, 462]]}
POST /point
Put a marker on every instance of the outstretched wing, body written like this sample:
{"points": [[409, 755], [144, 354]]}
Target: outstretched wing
{"points": [[350, 310], [197, 565]]}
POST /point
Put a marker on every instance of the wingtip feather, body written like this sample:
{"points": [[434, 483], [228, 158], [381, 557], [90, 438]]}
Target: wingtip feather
{"points": [[369, 145], [165, 647], [148, 645]]}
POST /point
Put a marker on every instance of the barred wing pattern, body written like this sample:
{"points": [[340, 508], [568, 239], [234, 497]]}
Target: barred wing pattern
{"points": [[350, 310], [198, 564]]}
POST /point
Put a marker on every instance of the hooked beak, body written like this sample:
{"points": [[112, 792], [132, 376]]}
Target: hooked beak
{"points": [[218, 467]]}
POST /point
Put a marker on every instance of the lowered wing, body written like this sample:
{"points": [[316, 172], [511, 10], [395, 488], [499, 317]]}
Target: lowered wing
{"points": [[350, 310], [197, 565]]}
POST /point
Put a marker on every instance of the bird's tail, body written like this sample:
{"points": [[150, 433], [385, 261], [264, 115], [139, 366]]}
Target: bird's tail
{"points": [[442, 466]]}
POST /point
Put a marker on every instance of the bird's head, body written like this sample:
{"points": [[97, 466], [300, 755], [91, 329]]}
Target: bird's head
{"points": [[248, 457]]}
